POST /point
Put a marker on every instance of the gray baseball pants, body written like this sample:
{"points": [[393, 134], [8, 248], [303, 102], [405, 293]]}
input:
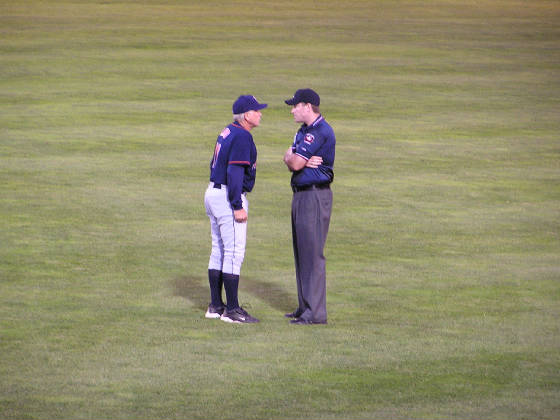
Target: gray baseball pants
{"points": [[311, 213]]}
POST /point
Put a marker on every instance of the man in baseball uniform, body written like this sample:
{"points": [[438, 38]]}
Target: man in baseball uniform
{"points": [[232, 175], [311, 161]]}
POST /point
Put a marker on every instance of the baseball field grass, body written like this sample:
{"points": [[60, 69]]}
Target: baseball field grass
{"points": [[443, 256]]}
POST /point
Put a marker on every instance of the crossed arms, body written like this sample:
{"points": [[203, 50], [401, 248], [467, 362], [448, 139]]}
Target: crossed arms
{"points": [[296, 162]]}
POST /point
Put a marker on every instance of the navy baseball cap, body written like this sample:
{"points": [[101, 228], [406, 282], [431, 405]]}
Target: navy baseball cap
{"points": [[307, 96], [246, 103]]}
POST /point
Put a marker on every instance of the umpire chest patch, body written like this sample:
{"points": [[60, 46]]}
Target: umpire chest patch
{"points": [[309, 138]]}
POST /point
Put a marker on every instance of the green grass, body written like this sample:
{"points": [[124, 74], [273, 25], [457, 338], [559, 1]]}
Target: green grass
{"points": [[443, 254]]}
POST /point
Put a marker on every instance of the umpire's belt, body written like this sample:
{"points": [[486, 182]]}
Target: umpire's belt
{"points": [[296, 188]]}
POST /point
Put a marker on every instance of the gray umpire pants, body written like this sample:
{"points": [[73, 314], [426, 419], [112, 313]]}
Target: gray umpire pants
{"points": [[311, 214]]}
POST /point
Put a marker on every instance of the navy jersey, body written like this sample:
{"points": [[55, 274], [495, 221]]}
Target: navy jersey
{"points": [[234, 162], [316, 139]]}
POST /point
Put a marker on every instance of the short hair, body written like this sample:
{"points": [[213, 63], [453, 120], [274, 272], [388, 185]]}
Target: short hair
{"points": [[315, 109], [239, 117]]}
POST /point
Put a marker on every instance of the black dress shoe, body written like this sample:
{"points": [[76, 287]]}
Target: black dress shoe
{"points": [[301, 321], [295, 314]]}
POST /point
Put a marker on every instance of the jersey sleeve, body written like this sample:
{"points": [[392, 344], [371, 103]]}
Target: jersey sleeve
{"points": [[235, 185], [309, 145], [241, 151]]}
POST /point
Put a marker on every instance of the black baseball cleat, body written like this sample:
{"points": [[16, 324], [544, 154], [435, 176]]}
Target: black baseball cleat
{"points": [[214, 312], [301, 321], [295, 314], [238, 316]]}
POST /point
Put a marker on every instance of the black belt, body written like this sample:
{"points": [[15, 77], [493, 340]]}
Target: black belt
{"points": [[219, 187], [296, 188]]}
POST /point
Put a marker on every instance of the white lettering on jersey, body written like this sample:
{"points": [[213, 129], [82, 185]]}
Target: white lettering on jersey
{"points": [[216, 153], [225, 132]]}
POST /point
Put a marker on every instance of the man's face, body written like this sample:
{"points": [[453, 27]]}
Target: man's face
{"points": [[253, 118], [300, 112]]}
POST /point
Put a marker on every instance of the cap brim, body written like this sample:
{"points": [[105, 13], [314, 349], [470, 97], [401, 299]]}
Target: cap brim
{"points": [[291, 101]]}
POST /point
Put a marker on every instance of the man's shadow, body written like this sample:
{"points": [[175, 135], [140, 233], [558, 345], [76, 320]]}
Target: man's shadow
{"points": [[196, 290]]}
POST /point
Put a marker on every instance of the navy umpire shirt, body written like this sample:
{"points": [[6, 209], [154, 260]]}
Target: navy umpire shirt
{"points": [[316, 139]]}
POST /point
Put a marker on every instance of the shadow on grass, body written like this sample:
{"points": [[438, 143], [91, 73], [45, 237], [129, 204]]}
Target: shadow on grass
{"points": [[193, 288], [273, 294], [196, 290]]}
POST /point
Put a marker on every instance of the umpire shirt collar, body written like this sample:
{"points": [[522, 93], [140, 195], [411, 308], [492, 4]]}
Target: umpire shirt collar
{"points": [[314, 123]]}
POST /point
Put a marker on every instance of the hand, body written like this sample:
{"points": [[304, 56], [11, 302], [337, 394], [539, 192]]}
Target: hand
{"points": [[314, 162], [240, 215], [288, 155]]}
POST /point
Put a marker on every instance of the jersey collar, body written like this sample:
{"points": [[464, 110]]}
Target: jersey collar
{"points": [[317, 121], [236, 124], [314, 123]]}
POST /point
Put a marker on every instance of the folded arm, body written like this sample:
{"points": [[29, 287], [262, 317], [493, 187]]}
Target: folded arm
{"points": [[296, 163]]}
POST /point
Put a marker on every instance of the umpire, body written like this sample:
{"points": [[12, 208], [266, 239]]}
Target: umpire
{"points": [[311, 161]]}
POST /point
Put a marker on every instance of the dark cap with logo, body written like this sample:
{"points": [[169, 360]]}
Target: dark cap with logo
{"points": [[307, 96], [246, 103]]}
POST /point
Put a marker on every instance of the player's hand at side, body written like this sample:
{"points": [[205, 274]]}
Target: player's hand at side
{"points": [[240, 215], [314, 162]]}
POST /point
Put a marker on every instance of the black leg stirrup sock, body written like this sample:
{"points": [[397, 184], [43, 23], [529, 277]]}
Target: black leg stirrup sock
{"points": [[215, 280], [231, 284]]}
